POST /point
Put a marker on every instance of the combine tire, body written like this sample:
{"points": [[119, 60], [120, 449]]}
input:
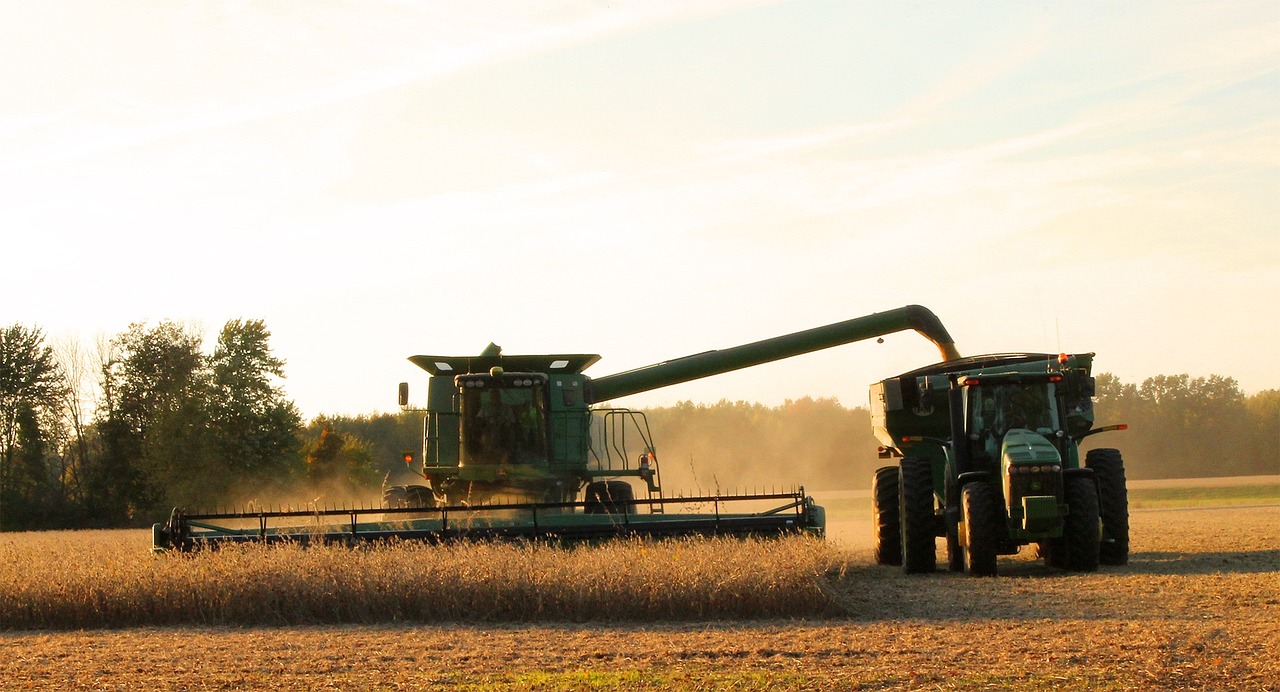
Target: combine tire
{"points": [[394, 497], [1113, 504], [418, 496], [885, 517], [919, 552], [1081, 534], [978, 503], [609, 497]]}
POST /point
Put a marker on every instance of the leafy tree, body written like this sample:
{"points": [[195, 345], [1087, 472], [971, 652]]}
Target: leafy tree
{"points": [[154, 427], [340, 461], [254, 428], [30, 386]]}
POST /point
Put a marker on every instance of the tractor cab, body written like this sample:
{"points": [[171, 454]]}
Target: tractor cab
{"points": [[996, 405]]}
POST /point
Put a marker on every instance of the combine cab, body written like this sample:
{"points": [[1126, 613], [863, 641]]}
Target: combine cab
{"points": [[523, 446]]}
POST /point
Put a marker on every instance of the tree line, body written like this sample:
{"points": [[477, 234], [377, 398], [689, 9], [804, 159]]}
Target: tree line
{"points": [[145, 421]]}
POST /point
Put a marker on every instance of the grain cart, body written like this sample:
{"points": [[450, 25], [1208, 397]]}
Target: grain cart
{"points": [[990, 461], [523, 446]]}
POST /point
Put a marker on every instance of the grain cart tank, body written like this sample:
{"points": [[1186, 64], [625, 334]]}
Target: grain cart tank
{"points": [[990, 461], [523, 446]]}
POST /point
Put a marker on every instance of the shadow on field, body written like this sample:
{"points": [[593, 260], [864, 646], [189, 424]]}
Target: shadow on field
{"points": [[1240, 562]]}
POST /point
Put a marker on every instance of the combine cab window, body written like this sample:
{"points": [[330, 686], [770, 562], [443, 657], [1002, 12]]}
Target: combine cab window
{"points": [[504, 425]]}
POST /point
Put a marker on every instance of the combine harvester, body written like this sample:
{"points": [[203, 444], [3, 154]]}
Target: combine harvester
{"points": [[515, 446]]}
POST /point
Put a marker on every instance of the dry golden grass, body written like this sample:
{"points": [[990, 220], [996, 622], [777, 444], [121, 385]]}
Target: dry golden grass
{"points": [[1198, 607], [108, 579]]}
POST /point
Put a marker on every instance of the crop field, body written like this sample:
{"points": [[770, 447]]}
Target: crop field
{"points": [[1197, 607]]}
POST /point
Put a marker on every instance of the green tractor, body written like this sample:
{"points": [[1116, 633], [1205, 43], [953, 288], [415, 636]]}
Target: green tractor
{"points": [[989, 459]]}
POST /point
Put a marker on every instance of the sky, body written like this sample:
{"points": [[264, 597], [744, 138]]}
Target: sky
{"points": [[645, 180]]}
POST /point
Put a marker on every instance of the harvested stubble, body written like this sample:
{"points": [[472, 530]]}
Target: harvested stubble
{"points": [[92, 579]]}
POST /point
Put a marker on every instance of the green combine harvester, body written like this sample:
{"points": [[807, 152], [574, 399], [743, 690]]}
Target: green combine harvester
{"points": [[989, 460], [523, 446]]}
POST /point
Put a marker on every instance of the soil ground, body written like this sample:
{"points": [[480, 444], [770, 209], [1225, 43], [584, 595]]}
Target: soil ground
{"points": [[1198, 607]]}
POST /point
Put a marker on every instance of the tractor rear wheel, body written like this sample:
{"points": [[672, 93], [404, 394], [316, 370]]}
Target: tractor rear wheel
{"points": [[609, 497], [1081, 533], [978, 504], [919, 551], [885, 517], [1113, 504]]}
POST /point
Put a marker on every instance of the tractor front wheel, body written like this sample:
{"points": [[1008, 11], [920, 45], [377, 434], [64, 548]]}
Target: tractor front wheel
{"points": [[978, 504], [919, 552], [1081, 534], [885, 517]]}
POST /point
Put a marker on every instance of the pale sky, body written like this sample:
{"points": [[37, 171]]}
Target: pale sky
{"points": [[645, 180]]}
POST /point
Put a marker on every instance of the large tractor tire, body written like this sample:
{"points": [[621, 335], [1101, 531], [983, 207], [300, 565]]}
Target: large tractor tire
{"points": [[1081, 534], [919, 551], [885, 517], [609, 497], [1113, 504], [978, 505]]}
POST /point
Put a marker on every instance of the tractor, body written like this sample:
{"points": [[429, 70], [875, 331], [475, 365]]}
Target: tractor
{"points": [[988, 451]]}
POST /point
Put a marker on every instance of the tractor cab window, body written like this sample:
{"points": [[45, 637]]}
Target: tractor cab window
{"points": [[995, 409], [503, 425], [1003, 407]]}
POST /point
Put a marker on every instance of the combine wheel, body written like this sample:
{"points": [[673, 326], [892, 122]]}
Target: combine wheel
{"points": [[606, 497], [1113, 504], [418, 496], [978, 503], [885, 517], [919, 552], [394, 497], [1081, 533]]}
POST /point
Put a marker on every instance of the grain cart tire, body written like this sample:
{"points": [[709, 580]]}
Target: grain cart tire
{"points": [[1081, 533], [395, 497], [1113, 504], [607, 497], [885, 517], [919, 552], [978, 504]]}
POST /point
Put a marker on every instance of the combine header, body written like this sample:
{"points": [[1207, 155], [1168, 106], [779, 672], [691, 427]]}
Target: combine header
{"points": [[522, 446]]}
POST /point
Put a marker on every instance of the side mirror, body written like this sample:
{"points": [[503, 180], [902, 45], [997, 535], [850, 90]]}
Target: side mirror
{"points": [[404, 394]]}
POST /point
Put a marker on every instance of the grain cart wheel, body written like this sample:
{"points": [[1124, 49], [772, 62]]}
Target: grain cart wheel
{"points": [[978, 504], [605, 497], [1081, 534], [885, 517], [1113, 504], [394, 497], [919, 553]]}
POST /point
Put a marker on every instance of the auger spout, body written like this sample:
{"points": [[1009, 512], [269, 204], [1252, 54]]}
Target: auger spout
{"points": [[709, 363]]}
